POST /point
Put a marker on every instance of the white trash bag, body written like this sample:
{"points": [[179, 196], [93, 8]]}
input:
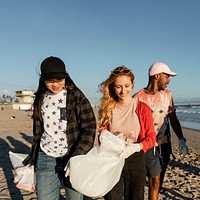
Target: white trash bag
{"points": [[24, 176], [97, 172], [111, 145], [16, 159]]}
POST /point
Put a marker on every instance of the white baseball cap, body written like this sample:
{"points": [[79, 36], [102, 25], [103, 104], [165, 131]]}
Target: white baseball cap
{"points": [[160, 67]]}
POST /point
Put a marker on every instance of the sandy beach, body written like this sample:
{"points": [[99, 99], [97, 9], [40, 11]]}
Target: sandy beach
{"points": [[182, 180]]}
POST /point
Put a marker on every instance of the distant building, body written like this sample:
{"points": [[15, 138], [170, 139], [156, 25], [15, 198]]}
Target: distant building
{"points": [[8, 106], [24, 99]]}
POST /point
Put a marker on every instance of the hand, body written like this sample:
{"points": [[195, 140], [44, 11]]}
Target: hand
{"points": [[183, 149], [130, 149], [67, 169]]}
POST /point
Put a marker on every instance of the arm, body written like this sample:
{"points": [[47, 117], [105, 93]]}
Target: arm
{"points": [[175, 124], [147, 136], [183, 149], [37, 133], [86, 125]]}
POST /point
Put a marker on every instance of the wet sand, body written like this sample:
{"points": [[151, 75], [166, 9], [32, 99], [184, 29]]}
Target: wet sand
{"points": [[182, 180]]}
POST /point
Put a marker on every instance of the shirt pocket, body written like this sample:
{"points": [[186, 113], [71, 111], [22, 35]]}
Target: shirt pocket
{"points": [[63, 114]]}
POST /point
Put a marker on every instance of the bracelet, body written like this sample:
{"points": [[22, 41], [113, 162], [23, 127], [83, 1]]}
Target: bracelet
{"points": [[183, 138]]}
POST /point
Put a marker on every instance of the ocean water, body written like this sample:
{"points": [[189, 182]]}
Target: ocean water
{"points": [[189, 116]]}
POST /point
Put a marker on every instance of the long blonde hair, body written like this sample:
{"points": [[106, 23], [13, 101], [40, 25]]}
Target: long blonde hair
{"points": [[109, 98]]}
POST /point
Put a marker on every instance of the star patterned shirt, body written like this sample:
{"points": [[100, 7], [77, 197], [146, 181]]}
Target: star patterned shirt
{"points": [[54, 141]]}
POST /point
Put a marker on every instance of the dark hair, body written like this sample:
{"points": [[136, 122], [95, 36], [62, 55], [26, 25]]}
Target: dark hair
{"points": [[39, 95]]}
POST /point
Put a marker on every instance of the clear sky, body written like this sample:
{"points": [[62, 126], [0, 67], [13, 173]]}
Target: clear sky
{"points": [[93, 37]]}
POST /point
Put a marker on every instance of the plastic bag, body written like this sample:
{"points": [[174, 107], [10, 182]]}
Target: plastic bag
{"points": [[97, 172], [16, 159], [24, 176], [111, 145]]}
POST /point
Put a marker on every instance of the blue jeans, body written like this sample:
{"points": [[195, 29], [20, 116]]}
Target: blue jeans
{"points": [[49, 180]]}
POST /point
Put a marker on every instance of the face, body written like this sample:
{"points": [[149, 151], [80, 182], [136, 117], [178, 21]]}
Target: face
{"points": [[55, 85], [123, 87], [163, 81]]}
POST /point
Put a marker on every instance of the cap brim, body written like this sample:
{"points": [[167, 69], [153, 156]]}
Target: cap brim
{"points": [[172, 73], [48, 76]]}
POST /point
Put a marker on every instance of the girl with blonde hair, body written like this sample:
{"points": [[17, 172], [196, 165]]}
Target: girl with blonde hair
{"points": [[121, 113]]}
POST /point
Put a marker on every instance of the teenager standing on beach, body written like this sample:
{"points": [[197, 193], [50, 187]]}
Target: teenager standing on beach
{"points": [[64, 125], [159, 99], [120, 113]]}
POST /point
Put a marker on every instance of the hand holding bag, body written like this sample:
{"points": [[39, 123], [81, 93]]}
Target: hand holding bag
{"points": [[97, 172]]}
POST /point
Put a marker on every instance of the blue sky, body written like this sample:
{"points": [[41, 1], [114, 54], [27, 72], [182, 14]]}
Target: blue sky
{"points": [[93, 37]]}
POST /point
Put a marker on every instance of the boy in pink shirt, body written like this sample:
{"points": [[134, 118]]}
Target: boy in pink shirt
{"points": [[160, 100]]}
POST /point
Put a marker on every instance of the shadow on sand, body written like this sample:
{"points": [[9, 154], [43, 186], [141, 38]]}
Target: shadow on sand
{"points": [[9, 190], [7, 175]]}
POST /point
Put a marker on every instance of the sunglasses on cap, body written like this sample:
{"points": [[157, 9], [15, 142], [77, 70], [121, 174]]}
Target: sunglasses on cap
{"points": [[120, 71]]}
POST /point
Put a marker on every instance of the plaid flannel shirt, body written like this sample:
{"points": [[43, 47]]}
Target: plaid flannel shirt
{"points": [[81, 126]]}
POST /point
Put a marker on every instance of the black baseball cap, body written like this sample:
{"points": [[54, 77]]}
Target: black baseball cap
{"points": [[52, 67]]}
